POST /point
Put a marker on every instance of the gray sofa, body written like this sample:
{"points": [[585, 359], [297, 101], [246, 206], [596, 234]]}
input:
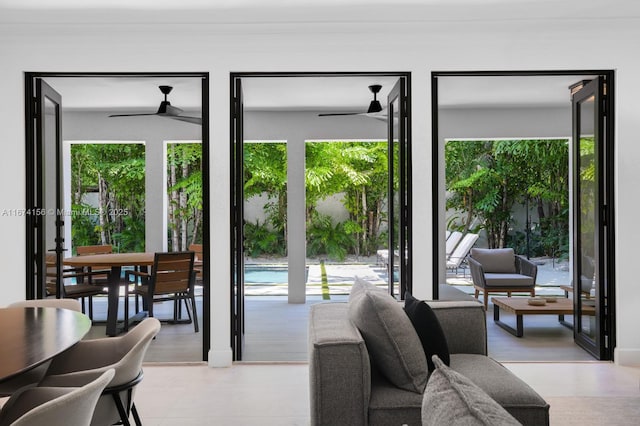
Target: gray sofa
{"points": [[346, 390]]}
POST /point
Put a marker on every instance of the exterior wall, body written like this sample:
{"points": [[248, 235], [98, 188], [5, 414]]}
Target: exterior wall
{"points": [[417, 47]]}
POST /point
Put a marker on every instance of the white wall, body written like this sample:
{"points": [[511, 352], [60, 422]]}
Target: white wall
{"points": [[418, 47]]}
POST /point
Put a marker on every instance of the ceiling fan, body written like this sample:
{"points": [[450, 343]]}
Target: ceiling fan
{"points": [[374, 106], [166, 110]]}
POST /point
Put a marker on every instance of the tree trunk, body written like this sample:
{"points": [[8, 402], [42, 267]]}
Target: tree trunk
{"points": [[173, 201], [102, 209], [365, 225], [183, 204], [78, 195], [196, 225]]}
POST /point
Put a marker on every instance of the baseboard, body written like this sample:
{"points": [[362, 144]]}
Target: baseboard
{"points": [[627, 357], [220, 358]]}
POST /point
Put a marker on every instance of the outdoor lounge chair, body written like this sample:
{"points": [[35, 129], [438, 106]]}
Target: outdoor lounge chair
{"points": [[452, 241], [500, 270], [461, 251]]}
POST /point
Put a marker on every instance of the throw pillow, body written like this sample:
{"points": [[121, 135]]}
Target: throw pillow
{"points": [[499, 261], [451, 398], [428, 327], [392, 342], [358, 287]]}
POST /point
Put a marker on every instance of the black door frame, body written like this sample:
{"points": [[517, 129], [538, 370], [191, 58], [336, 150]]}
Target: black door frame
{"points": [[399, 94], [595, 89], [31, 166], [608, 176], [237, 313]]}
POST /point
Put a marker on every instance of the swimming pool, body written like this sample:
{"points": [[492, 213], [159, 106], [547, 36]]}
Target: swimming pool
{"points": [[267, 274]]}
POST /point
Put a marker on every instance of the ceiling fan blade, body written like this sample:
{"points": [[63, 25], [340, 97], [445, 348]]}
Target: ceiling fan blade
{"points": [[166, 110], [332, 114], [193, 120], [170, 110], [131, 115]]}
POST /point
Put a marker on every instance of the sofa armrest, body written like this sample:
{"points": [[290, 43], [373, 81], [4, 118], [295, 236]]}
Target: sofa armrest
{"points": [[464, 325], [339, 368], [526, 267], [477, 272]]}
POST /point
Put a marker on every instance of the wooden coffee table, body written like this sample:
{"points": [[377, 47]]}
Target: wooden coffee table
{"points": [[520, 306]]}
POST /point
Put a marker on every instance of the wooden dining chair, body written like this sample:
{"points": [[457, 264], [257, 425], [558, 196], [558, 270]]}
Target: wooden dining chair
{"points": [[69, 290], [101, 276], [197, 261], [172, 278]]}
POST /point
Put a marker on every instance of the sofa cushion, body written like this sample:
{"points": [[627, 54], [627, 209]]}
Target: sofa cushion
{"points": [[507, 280], [390, 405], [504, 387], [428, 328], [393, 344], [502, 261], [451, 398]]}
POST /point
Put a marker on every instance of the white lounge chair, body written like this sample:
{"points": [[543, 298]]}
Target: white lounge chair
{"points": [[452, 242], [461, 251]]}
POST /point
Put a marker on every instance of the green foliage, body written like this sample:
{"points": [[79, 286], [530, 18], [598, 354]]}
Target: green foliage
{"points": [[185, 194], [324, 238], [356, 169], [83, 229], [360, 171], [260, 240], [132, 235], [265, 172], [116, 173], [486, 179]]}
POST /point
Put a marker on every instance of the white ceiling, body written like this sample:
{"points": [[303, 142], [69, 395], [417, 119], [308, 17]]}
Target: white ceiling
{"points": [[230, 11], [141, 94]]}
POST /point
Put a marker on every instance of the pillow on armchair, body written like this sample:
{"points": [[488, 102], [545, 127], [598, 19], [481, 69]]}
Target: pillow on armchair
{"points": [[496, 261], [392, 342]]}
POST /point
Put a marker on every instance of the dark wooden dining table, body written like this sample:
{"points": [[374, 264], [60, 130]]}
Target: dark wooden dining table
{"points": [[31, 336], [115, 261]]}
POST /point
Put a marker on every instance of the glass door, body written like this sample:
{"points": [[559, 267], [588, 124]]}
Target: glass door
{"points": [[399, 205], [44, 210], [591, 283], [237, 222]]}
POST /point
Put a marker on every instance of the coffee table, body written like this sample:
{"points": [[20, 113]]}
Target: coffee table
{"points": [[520, 306]]}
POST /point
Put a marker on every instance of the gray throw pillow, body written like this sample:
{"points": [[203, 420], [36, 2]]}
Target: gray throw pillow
{"points": [[392, 342], [499, 261], [452, 399]]}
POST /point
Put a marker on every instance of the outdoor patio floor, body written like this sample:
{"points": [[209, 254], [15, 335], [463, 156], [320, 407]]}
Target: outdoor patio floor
{"points": [[276, 330]]}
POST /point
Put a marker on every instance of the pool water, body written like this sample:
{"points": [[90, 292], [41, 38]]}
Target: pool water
{"points": [[266, 274]]}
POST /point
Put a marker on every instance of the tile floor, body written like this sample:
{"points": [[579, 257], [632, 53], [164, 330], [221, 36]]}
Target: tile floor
{"points": [[277, 394]]}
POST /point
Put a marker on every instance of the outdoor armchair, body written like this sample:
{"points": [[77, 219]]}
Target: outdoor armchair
{"points": [[500, 270]]}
